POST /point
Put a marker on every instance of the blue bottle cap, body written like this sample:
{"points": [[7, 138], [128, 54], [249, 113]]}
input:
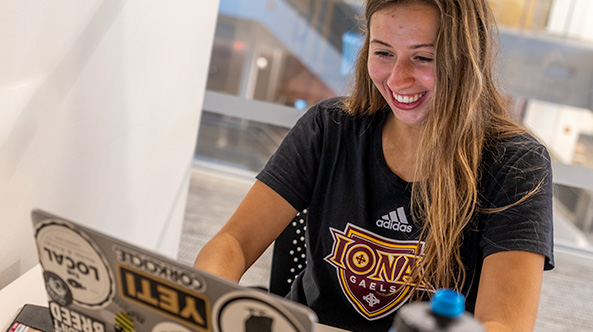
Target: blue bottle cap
{"points": [[447, 303]]}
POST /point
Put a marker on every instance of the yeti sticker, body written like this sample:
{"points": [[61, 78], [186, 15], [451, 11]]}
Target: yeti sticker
{"points": [[373, 271]]}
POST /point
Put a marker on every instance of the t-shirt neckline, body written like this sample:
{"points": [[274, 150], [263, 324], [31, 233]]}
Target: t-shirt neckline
{"points": [[380, 157]]}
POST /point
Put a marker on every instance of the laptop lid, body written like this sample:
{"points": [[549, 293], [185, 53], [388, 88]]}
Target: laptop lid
{"points": [[98, 283]]}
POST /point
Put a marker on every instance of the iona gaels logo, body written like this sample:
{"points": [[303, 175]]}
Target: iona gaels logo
{"points": [[373, 271]]}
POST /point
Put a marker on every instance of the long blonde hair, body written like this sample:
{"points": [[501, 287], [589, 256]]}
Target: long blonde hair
{"points": [[467, 110]]}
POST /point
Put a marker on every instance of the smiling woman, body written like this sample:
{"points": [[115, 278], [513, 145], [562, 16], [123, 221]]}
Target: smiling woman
{"points": [[418, 180]]}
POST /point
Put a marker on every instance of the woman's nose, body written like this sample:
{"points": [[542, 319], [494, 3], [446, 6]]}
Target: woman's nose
{"points": [[401, 76]]}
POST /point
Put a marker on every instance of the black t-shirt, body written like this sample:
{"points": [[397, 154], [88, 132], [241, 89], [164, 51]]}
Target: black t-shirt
{"points": [[361, 238]]}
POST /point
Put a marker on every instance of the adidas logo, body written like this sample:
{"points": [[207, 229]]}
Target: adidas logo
{"points": [[395, 220]]}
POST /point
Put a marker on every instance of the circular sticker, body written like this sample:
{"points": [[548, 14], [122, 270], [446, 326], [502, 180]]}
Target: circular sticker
{"points": [[169, 327], [243, 311], [57, 289], [74, 269]]}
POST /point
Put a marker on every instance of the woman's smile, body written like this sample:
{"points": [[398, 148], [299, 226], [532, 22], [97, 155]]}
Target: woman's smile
{"points": [[408, 102]]}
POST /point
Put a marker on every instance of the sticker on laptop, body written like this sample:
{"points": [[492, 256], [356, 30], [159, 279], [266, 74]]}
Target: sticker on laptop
{"points": [[249, 312], [75, 269], [69, 320], [164, 297], [169, 327], [159, 268]]}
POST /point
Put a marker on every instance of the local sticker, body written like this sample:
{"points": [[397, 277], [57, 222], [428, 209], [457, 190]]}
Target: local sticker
{"points": [[75, 270]]}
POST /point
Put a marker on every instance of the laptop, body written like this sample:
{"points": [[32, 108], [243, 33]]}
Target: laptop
{"points": [[96, 283]]}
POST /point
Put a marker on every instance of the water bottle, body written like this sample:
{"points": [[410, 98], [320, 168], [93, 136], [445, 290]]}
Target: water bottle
{"points": [[444, 313]]}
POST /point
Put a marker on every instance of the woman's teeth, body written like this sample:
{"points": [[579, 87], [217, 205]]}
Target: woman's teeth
{"points": [[408, 99]]}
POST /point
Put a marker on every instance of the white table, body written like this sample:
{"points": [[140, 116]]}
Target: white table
{"points": [[29, 288]]}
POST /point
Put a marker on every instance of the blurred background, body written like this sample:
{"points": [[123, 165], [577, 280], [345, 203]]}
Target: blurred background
{"points": [[272, 59]]}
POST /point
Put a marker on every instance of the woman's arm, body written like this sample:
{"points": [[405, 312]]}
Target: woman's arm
{"points": [[260, 218], [508, 295]]}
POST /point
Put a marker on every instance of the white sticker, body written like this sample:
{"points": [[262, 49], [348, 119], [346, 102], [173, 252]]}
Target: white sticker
{"points": [[169, 327], [75, 270], [249, 312]]}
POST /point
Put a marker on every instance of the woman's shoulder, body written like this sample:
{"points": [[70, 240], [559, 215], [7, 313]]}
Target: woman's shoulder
{"points": [[334, 111], [339, 106], [330, 108], [514, 150], [333, 104]]}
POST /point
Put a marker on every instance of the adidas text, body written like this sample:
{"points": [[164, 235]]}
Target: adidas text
{"points": [[395, 220], [394, 225]]}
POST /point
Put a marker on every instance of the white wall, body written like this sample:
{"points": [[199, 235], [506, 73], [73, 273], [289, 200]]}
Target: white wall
{"points": [[100, 103]]}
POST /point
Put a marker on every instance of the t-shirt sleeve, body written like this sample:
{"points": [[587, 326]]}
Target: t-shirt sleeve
{"points": [[292, 169], [521, 184]]}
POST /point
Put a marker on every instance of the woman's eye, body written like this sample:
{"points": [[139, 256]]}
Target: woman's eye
{"points": [[424, 59], [382, 53]]}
